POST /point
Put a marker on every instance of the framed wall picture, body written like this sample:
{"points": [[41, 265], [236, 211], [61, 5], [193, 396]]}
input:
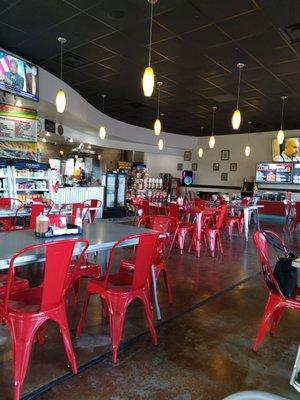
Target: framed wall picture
{"points": [[194, 166], [187, 156], [179, 167], [225, 154], [233, 166], [216, 166], [224, 176]]}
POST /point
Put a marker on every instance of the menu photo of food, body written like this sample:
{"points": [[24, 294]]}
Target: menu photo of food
{"points": [[274, 172], [10, 149]]}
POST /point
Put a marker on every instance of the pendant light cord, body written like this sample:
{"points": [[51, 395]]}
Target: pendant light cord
{"points": [[213, 122], [150, 43], [239, 87], [61, 59], [282, 109], [249, 130], [103, 100], [158, 100]]}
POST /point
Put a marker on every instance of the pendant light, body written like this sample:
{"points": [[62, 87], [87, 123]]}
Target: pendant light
{"points": [[280, 133], [236, 117], [102, 130], [148, 77], [212, 140], [157, 123], [200, 150], [248, 148], [61, 100]]}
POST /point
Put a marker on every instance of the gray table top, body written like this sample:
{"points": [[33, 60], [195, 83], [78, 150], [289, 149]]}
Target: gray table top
{"points": [[102, 235]]}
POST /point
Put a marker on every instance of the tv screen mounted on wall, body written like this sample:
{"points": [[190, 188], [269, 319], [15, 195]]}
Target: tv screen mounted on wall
{"points": [[18, 77]]}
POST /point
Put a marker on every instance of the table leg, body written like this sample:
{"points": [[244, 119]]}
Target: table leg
{"points": [[158, 314], [103, 258], [246, 223]]}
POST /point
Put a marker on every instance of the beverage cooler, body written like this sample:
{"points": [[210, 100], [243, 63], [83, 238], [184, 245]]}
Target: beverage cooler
{"points": [[115, 195], [6, 189], [30, 179]]}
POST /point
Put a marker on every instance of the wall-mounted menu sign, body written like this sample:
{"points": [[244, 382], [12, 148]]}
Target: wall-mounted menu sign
{"points": [[18, 124], [274, 172]]}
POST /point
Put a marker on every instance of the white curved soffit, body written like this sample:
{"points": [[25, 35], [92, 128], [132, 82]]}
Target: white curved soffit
{"points": [[81, 118]]}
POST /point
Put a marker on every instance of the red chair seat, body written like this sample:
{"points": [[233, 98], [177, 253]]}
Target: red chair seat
{"points": [[25, 301], [120, 282]]}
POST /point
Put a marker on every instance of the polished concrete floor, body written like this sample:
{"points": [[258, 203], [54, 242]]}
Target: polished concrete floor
{"points": [[204, 349]]}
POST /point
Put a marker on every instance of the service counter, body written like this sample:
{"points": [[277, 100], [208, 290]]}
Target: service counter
{"points": [[78, 194], [272, 207]]}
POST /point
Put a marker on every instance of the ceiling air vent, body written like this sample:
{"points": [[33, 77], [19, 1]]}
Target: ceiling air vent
{"points": [[223, 98], [72, 60], [291, 33]]}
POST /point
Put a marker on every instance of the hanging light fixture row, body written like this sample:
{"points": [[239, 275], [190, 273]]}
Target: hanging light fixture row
{"points": [[61, 100], [280, 133], [212, 140], [148, 77], [157, 123], [236, 117], [102, 129]]}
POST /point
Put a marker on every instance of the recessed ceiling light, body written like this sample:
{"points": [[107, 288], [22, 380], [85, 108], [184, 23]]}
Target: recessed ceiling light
{"points": [[89, 146], [44, 140], [48, 134]]}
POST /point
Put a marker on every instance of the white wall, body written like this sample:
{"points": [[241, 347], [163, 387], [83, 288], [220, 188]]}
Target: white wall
{"points": [[157, 163]]}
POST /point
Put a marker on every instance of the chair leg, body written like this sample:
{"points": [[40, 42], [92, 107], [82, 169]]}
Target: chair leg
{"points": [[22, 335], [270, 307], [167, 285], [181, 239], [149, 315], [276, 317], [61, 319], [219, 243], [212, 242], [116, 310], [76, 288], [83, 313]]}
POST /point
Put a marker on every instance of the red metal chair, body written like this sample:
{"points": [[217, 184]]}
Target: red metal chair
{"points": [[277, 302], [183, 229], [118, 290], [6, 223], [36, 209], [196, 240], [235, 221], [95, 204], [26, 310], [167, 225], [74, 207], [213, 233], [296, 217]]}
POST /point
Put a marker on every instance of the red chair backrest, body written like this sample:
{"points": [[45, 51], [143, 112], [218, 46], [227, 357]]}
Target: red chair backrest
{"points": [[221, 216], [92, 203], [245, 201], [169, 226], [262, 250], [173, 211], [74, 207], [200, 203], [7, 202], [297, 208], [145, 208], [58, 256], [144, 254], [36, 209]]}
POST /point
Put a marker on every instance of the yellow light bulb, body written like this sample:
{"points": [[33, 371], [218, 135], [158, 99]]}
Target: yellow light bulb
{"points": [[200, 152], [212, 142], [102, 132], [247, 151], [148, 81], [236, 119], [157, 127], [60, 101], [160, 144], [280, 136]]}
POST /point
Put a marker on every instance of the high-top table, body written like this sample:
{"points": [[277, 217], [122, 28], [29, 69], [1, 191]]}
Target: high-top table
{"points": [[101, 235], [246, 209]]}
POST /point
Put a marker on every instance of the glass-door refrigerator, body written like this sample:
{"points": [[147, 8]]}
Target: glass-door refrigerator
{"points": [[115, 195]]}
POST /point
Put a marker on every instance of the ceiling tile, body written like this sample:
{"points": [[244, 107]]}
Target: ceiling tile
{"points": [[217, 10], [92, 52], [205, 37], [38, 18]]}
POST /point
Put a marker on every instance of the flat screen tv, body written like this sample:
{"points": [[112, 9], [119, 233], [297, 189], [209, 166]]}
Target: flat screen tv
{"points": [[18, 76], [274, 172], [287, 151]]}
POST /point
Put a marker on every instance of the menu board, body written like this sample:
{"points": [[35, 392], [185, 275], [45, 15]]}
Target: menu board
{"points": [[296, 173], [274, 172]]}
